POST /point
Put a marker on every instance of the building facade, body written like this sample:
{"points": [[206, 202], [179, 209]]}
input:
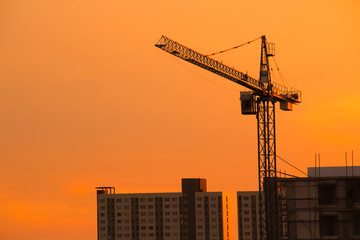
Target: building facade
{"points": [[322, 206], [248, 215], [192, 214], [212, 216]]}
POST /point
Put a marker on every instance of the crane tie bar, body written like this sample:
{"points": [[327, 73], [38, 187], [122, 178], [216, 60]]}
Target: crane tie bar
{"points": [[212, 54]]}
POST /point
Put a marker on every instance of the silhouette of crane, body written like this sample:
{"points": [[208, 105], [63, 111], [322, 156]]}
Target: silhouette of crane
{"points": [[260, 101]]}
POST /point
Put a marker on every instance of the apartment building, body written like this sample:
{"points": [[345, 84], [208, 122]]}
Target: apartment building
{"points": [[212, 216], [248, 215], [193, 214]]}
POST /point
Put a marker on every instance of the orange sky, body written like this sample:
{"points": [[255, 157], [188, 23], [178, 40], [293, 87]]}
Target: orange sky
{"points": [[87, 100]]}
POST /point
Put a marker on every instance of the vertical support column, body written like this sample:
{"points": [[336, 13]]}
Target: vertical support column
{"points": [[268, 206], [261, 164]]}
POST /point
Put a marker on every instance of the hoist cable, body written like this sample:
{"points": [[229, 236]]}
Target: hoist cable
{"points": [[291, 165], [200, 76]]}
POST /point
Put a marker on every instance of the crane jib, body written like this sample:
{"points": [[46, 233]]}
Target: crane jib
{"points": [[277, 91]]}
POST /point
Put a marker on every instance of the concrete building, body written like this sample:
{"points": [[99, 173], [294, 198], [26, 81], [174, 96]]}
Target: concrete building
{"points": [[193, 214], [325, 205], [248, 215]]}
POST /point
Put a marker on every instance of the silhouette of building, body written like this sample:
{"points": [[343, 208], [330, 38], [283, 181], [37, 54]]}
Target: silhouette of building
{"points": [[193, 214], [325, 205], [248, 215]]}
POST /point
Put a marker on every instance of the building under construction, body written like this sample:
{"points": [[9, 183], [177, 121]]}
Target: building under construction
{"points": [[325, 205]]}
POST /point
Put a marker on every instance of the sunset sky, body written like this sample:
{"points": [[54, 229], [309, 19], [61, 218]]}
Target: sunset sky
{"points": [[87, 100]]}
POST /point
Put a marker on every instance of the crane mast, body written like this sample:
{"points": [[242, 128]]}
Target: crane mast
{"points": [[260, 101]]}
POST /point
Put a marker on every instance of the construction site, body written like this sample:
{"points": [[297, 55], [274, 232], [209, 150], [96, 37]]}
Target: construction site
{"points": [[323, 205], [316, 207]]}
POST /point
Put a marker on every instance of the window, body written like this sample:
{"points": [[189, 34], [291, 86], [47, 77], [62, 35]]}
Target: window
{"points": [[151, 227], [327, 194], [118, 200], [174, 199], [167, 227], [150, 200], [119, 214], [102, 200], [143, 227], [142, 206], [246, 205], [118, 221], [328, 225], [167, 234], [246, 212], [246, 198], [166, 206], [199, 198], [246, 219], [356, 217], [166, 199]]}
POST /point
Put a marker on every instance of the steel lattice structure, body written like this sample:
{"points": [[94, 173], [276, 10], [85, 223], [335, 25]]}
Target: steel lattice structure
{"points": [[267, 168], [260, 102]]}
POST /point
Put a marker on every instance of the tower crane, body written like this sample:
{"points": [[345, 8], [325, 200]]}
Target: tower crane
{"points": [[259, 101]]}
